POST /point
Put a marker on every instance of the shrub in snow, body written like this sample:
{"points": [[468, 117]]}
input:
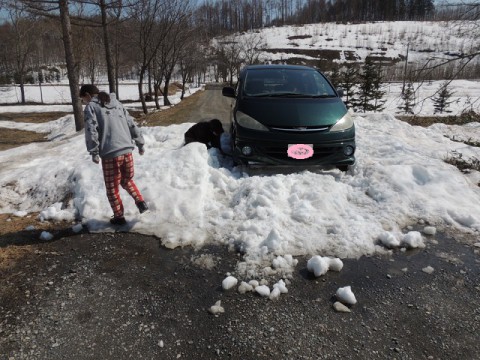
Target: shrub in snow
{"points": [[346, 296], [229, 282], [263, 290], [413, 240], [217, 308]]}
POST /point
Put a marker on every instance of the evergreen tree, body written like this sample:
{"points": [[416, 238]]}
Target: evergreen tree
{"points": [[408, 97], [370, 94], [442, 100], [348, 81]]}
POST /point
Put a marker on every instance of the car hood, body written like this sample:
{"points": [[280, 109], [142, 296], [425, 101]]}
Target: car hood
{"points": [[294, 112]]}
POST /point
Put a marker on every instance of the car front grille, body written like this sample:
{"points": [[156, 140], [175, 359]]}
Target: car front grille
{"points": [[280, 152]]}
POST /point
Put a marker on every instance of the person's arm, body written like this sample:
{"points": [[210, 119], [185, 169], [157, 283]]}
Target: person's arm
{"points": [[91, 133], [134, 132]]}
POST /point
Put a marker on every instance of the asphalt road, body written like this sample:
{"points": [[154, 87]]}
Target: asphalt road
{"points": [[125, 296]]}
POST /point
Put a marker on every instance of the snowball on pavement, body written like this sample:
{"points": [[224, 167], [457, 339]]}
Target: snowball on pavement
{"points": [[275, 294], [229, 282], [346, 296], [263, 290], [245, 287], [429, 230], [428, 270], [335, 264], [280, 285], [217, 308], [413, 240], [339, 307], [318, 265], [389, 240], [46, 236], [254, 283]]}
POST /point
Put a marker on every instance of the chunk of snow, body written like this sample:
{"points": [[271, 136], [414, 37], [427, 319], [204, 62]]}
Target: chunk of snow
{"points": [[275, 294], [428, 269], [217, 308], [389, 240], [280, 285], [413, 240], [318, 265], [229, 282], [20, 213], [335, 264], [263, 290], [254, 283], [77, 228], [30, 228], [429, 230], [46, 236], [244, 287], [346, 296]]}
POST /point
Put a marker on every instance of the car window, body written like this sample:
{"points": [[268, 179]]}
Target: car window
{"points": [[290, 82]]}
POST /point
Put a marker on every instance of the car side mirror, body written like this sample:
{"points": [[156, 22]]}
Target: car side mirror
{"points": [[340, 92], [228, 92]]}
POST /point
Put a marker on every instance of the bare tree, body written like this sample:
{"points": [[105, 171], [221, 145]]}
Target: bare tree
{"points": [[23, 41]]}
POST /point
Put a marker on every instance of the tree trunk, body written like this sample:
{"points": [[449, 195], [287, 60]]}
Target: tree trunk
{"points": [[140, 90], [166, 102], [108, 53], [72, 68]]}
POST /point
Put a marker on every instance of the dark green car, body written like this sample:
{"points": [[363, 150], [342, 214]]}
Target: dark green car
{"points": [[290, 115]]}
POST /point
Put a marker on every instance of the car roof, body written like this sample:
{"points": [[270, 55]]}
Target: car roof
{"points": [[278, 66]]}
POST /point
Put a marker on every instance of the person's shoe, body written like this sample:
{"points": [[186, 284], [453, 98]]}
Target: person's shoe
{"points": [[118, 221], [142, 206]]}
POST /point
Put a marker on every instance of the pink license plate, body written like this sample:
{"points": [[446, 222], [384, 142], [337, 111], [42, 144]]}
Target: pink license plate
{"points": [[300, 151]]}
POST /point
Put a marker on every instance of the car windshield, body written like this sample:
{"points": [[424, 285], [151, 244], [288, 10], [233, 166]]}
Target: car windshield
{"points": [[286, 83]]}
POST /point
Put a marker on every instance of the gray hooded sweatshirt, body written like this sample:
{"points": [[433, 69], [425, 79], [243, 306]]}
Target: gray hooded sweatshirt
{"points": [[110, 130]]}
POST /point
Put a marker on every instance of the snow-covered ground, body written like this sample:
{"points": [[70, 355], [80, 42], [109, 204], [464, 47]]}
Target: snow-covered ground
{"points": [[196, 196]]}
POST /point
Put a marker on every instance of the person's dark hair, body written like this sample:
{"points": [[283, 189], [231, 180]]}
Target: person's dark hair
{"points": [[89, 88], [104, 98], [216, 126], [93, 90]]}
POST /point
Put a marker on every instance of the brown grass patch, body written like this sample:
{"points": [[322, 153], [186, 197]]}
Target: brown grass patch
{"points": [[35, 118], [173, 115], [10, 138]]}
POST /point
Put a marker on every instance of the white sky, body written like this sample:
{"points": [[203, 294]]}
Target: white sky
{"points": [[196, 196]]}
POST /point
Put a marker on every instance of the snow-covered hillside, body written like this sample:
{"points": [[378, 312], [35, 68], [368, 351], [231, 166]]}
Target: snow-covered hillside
{"points": [[343, 43]]}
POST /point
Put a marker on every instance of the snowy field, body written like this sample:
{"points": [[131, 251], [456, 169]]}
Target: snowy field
{"points": [[197, 197]]}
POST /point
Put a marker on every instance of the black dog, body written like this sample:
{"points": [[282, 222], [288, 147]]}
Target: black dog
{"points": [[208, 133]]}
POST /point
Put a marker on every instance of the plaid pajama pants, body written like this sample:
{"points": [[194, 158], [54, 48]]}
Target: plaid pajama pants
{"points": [[119, 171]]}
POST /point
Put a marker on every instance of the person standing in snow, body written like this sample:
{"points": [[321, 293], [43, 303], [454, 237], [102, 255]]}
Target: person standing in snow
{"points": [[110, 134]]}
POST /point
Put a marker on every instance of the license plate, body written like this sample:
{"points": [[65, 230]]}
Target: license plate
{"points": [[300, 151]]}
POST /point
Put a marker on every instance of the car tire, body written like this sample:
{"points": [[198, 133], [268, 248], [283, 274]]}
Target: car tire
{"points": [[343, 168]]}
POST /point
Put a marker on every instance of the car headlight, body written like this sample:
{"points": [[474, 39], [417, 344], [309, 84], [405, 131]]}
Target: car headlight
{"points": [[346, 122], [248, 122]]}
